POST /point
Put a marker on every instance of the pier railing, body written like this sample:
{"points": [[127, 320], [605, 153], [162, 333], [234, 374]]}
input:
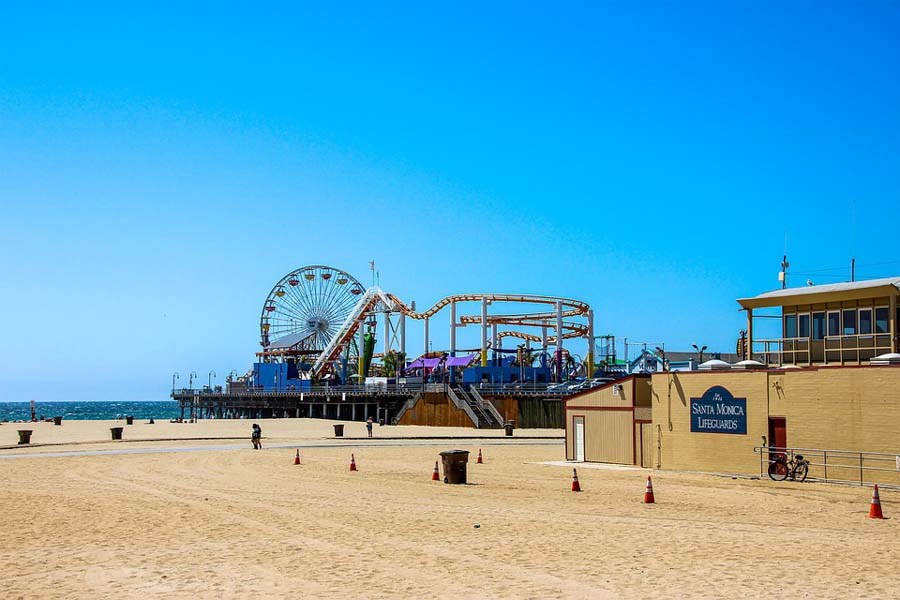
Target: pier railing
{"points": [[529, 389], [838, 466]]}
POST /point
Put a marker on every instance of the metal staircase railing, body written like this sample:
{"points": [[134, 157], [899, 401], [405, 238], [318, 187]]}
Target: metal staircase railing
{"points": [[488, 407], [464, 406], [407, 406]]}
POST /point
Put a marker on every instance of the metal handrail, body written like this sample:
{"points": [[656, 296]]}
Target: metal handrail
{"points": [[520, 389], [463, 405], [841, 462], [484, 404]]}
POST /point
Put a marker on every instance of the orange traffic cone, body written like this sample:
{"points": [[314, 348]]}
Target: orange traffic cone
{"points": [[576, 487], [648, 493], [479, 461], [297, 457], [352, 463], [436, 475], [875, 507]]}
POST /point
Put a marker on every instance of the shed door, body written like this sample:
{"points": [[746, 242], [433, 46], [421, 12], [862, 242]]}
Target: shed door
{"points": [[646, 444], [578, 429], [777, 432]]}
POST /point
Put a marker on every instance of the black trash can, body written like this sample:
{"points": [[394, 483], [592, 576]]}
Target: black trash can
{"points": [[339, 430], [381, 422], [57, 420], [454, 462], [129, 420], [25, 436], [116, 432], [510, 425]]}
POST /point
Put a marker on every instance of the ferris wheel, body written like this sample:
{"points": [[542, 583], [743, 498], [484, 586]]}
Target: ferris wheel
{"points": [[308, 305]]}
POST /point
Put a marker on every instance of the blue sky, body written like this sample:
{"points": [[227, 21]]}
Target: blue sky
{"points": [[161, 169]]}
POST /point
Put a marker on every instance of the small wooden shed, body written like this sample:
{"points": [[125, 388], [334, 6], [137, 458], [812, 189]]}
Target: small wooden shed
{"points": [[611, 423]]}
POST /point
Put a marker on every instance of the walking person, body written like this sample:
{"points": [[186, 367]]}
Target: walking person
{"points": [[369, 425], [256, 437]]}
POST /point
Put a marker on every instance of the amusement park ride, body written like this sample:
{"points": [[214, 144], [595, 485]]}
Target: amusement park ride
{"points": [[321, 321]]}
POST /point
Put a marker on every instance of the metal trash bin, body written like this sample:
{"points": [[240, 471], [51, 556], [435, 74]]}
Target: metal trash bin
{"points": [[339, 430], [25, 436], [116, 432], [454, 462], [57, 420], [129, 420], [381, 422], [509, 426]]}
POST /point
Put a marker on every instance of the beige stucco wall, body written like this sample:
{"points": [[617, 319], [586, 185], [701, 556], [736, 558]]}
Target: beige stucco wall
{"points": [[843, 408], [609, 413], [681, 449], [833, 408]]}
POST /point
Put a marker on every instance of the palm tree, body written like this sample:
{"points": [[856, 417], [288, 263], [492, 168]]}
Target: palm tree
{"points": [[392, 362]]}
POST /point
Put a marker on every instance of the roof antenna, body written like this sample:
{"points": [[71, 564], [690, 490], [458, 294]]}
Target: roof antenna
{"points": [[782, 275]]}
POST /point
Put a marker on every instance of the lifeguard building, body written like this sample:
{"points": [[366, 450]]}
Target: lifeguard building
{"points": [[828, 388], [836, 324]]}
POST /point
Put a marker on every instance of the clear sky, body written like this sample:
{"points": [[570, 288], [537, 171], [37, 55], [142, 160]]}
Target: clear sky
{"points": [[161, 168]]}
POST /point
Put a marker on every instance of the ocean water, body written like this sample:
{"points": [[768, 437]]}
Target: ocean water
{"points": [[79, 411]]}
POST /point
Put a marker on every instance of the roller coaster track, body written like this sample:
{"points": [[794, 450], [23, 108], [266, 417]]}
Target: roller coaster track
{"points": [[571, 308], [374, 297]]}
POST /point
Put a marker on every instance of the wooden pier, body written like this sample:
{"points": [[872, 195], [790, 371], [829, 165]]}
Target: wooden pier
{"points": [[527, 407]]}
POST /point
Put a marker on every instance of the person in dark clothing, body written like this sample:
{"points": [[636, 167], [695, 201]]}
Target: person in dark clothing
{"points": [[369, 422], [256, 437]]}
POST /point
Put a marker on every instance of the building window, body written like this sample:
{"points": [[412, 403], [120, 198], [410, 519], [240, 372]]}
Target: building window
{"points": [[849, 318], [818, 332], [881, 319], [803, 326], [834, 323], [790, 326], [865, 321]]}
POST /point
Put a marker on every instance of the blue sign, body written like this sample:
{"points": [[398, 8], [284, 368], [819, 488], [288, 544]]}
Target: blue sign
{"points": [[717, 411]]}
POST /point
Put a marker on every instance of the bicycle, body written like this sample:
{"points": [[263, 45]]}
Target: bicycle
{"points": [[781, 468]]}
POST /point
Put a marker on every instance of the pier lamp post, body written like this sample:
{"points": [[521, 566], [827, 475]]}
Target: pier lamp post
{"points": [[175, 376], [209, 379], [700, 351], [191, 380]]}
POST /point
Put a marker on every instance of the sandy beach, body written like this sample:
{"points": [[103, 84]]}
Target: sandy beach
{"points": [[225, 521]]}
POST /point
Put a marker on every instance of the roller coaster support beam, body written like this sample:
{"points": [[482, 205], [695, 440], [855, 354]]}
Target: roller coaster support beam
{"points": [[484, 326], [494, 342], [426, 337], [590, 341], [453, 329], [403, 336], [387, 332], [559, 341]]}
